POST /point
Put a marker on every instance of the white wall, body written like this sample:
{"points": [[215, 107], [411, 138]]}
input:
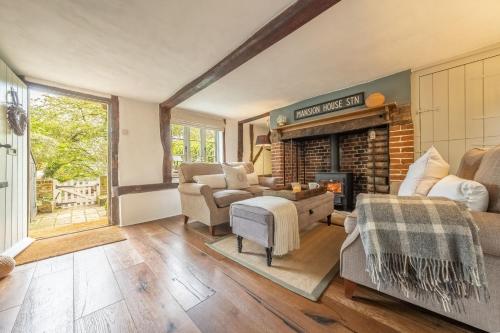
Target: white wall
{"points": [[140, 154], [231, 140], [140, 158]]}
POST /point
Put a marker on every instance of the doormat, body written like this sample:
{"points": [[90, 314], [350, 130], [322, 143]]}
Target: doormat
{"points": [[56, 246]]}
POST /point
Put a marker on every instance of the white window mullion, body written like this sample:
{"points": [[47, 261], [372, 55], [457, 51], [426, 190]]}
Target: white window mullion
{"points": [[187, 149], [202, 145]]}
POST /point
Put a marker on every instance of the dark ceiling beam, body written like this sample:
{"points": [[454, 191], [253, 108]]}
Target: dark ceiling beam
{"points": [[278, 28]]}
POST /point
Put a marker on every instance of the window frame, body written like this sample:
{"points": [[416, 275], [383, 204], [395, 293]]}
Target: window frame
{"points": [[186, 157]]}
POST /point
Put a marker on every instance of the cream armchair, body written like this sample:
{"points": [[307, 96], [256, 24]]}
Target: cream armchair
{"points": [[200, 202]]}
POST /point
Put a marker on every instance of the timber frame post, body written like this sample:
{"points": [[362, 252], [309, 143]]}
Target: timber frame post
{"points": [[165, 137]]}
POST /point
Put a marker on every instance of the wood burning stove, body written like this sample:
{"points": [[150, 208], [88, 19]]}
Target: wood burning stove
{"points": [[340, 183]]}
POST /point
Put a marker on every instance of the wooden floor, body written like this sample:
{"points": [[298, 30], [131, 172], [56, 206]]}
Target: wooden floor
{"points": [[165, 279]]}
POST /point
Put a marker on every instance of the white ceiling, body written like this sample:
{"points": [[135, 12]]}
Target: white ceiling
{"points": [[353, 42], [140, 49], [148, 52]]}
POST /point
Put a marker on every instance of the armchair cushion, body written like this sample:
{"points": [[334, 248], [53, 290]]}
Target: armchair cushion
{"points": [[256, 190], [224, 198], [236, 177], [214, 181], [253, 179]]}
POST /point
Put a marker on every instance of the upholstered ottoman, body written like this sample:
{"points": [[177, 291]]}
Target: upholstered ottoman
{"points": [[257, 224]]}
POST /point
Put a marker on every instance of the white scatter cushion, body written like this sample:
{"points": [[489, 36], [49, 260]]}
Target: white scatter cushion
{"points": [[424, 173], [253, 179], [473, 194], [236, 177], [214, 181]]}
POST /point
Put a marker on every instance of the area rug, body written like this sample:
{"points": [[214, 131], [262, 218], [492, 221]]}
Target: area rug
{"points": [[307, 271], [55, 246]]}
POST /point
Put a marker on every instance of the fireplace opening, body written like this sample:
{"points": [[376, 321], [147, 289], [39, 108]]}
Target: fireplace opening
{"points": [[346, 163]]}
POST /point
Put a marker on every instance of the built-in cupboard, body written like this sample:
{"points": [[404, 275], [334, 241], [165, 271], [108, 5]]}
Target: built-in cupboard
{"points": [[456, 105], [13, 166]]}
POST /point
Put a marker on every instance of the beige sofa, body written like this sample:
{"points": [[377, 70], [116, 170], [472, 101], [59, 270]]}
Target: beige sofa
{"points": [[211, 206], [483, 167]]}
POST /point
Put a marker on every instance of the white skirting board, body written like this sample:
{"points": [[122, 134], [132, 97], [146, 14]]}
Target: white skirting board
{"points": [[18, 247]]}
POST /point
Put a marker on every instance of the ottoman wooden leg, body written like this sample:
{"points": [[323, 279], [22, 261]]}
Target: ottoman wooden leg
{"points": [[349, 288], [186, 219], [269, 254], [329, 220], [211, 230], [240, 243]]}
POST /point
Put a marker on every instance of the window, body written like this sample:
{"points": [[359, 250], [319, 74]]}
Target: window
{"points": [[194, 144]]}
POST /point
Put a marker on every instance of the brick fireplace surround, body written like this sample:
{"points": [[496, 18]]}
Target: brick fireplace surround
{"points": [[388, 156]]}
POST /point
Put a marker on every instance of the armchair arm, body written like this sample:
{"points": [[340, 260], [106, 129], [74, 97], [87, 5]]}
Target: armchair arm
{"points": [[195, 189], [270, 182], [394, 187]]}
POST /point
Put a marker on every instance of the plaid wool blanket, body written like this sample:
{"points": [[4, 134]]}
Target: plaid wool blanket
{"points": [[425, 246]]}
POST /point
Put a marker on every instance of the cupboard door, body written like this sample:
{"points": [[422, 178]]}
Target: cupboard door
{"points": [[443, 149], [492, 97], [456, 151], [440, 105], [426, 109], [456, 104], [474, 143], [474, 99], [3, 154]]}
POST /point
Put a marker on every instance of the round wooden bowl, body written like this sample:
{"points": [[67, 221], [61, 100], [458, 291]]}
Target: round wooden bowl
{"points": [[375, 99]]}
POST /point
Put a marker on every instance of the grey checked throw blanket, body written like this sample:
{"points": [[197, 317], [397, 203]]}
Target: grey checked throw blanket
{"points": [[425, 246]]}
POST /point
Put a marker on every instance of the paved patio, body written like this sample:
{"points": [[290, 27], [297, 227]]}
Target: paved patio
{"points": [[67, 220]]}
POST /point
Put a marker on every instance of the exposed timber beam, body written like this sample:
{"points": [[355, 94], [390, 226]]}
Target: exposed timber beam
{"points": [[278, 28]]}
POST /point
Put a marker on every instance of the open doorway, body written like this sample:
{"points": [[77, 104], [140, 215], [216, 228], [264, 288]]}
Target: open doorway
{"points": [[68, 164]]}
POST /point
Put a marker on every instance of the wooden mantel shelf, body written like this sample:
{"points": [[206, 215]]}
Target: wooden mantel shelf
{"points": [[336, 123]]}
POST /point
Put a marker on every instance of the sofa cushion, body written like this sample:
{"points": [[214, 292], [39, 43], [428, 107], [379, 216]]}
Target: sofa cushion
{"points": [[424, 173], [256, 190], [472, 193], [236, 177], [470, 163], [224, 198], [488, 174], [489, 229]]}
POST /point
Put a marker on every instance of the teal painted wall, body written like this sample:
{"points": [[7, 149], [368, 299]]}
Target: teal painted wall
{"points": [[395, 87]]}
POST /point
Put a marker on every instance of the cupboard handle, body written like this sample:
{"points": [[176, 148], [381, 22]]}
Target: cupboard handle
{"points": [[5, 146]]}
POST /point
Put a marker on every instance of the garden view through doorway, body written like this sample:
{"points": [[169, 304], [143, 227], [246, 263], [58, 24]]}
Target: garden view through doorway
{"points": [[68, 164]]}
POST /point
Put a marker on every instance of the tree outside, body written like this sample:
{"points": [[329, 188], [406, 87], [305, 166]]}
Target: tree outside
{"points": [[69, 137]]}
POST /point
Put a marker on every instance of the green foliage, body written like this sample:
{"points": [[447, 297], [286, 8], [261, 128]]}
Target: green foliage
{"points": [[69, 137]]}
